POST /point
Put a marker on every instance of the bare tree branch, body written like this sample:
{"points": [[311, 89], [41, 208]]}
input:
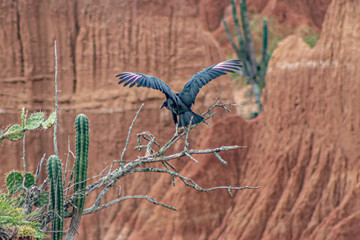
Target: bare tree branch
{"points": [[152, 200], [107, 181], [190, 182]]}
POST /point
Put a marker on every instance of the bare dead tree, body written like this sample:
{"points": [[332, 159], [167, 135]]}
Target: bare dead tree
{"points": [[146, 141]]}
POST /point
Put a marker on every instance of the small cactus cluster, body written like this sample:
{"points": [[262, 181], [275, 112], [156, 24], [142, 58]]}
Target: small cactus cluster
{"points": [[13, 206], [54, 170], [16, 181], [17, 131], [254, 71]]}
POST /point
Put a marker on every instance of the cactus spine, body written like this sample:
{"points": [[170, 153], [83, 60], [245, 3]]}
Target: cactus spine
{"points": [[254, 71], [54, 169], [81, 161]]}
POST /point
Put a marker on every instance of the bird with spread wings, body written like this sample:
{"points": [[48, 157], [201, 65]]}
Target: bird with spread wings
{"points": [[180, 104]]}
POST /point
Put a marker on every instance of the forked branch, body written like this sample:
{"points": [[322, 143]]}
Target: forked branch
{"points": [[151, 156]]}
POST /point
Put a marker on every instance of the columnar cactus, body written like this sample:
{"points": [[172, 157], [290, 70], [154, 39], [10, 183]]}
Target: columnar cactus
{"points": [[81, 161], [54, 169], [80, 169], [254, 71]]}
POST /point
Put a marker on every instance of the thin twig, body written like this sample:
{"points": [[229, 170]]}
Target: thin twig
{"points": [[86, 180], [183, 153], [67, 160], [23, 158], [220, 158], [191, 183], [150, 138], [187, 135], [56, 103], [44, 184], [191, 157], [152, 200], [38, 170], [128, 137], [69, 183], [166, 166]]}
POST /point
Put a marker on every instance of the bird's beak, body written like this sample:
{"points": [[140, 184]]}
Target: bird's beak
{"points": [[163, 105]]}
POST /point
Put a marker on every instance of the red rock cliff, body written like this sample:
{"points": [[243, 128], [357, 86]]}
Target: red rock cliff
{"points": [[302, 150]]}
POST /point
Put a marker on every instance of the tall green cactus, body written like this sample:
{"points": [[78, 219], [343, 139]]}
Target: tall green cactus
{"points": [[254, 71], [54, 169], [81, 161], [80, 169]]}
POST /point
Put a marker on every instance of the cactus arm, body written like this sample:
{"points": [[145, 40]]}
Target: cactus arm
{"points": [[231, 40], [236, 19], [264, 58], [249, 44], [80, 169], [81, 161], [54, 169], [264, 54], [241, 50], [245, 59]]}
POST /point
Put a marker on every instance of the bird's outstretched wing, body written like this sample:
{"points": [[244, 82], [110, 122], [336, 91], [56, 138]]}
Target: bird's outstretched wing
{"points": [[142, 80], [198, 80]]}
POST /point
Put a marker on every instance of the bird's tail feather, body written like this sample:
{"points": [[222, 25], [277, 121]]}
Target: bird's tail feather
{"points": [[184, 118]]}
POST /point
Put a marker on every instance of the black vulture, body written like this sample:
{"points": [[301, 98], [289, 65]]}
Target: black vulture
{"points": [[180, 103]]}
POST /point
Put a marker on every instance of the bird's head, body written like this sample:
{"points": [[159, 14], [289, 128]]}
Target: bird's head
{"points": [[164, 104]]}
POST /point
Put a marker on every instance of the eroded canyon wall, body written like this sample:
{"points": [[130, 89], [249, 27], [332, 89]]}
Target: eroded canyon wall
{"points": [[302, 150]]}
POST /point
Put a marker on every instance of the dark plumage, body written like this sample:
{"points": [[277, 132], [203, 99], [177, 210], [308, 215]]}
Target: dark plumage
{"points": [[180, 103]]}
